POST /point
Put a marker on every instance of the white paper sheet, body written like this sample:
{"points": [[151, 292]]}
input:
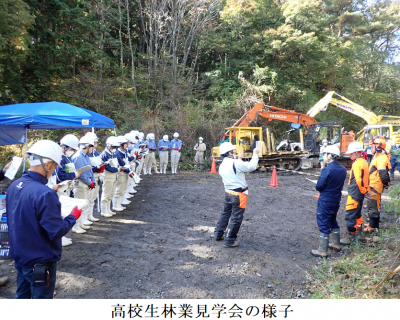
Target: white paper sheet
{"points": [[313, 181], [68, 204], [14, 167]]}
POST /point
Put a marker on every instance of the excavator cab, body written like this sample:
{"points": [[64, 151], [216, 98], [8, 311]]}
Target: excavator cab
{"points": [[389, 131], [331, 131]]}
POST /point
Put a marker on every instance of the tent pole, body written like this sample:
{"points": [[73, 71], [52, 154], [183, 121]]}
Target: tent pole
{"points": [[115, 132], [93, 129], [26, 142]]}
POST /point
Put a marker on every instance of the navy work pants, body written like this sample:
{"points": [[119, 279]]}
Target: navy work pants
{"points": [[27, 289], [326, 215], [233, 211]]}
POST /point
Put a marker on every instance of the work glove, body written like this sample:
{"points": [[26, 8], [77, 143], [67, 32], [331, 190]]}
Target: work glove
{"points": [[102, 168], [92, 185], [121, 169], [131, 175], [136, 154], [76, 212]]}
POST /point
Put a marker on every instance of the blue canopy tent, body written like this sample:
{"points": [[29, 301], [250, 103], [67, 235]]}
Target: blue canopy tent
{"points": [[18, 118]]}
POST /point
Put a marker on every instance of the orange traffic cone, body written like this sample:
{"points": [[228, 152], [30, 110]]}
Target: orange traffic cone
{"points": [[213, 167], [274, 179]]}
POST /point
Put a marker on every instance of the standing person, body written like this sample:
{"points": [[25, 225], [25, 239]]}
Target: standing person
{"points": [[4, 280], [35, 224], [358, 187], [123, 174], [133, 163], [95, 160], [110, 176], [150, 160], [66, 171], [232, 170], [200, 148], [394, 156], [378, 181], [330, 185], [321, 152], [176, 147], [254, 142], [163, 147], [86, 181]]}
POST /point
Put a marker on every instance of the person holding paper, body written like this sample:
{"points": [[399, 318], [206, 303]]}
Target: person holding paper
{"points": [[163, 147], [110, 175], [95, 160], [122, 175], [254, 142], [176, 148], [200, 148], [86, 181], [4, 170], [66, 172], [35, 224], [150, 160], [133, 163]]}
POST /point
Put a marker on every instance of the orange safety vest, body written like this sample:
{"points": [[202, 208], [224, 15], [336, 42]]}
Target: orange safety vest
{"points": [[359, 178]]}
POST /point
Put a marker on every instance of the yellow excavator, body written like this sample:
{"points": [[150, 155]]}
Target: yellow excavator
{"points": [[382, 125]]}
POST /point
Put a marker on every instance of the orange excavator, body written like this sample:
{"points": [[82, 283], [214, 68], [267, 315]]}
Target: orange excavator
{"points": [[286, 155], [252, 115]]}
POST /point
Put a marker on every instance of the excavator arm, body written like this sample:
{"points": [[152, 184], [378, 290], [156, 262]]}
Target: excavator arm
{"points": [[345, 104], [278, 114]]}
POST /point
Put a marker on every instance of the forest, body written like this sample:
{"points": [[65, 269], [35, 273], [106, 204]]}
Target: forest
{"points": [[194, 66]]}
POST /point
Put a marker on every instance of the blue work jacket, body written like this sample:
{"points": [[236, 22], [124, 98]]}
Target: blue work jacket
{"points": [[122, 156], [35, 225], [107, 155], [163, 143], [330, 182], [80, 160], [151, 145], [176, 144], [61, 173]]}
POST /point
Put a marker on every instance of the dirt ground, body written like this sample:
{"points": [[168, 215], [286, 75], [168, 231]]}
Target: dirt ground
{"points": [[162, 246]]}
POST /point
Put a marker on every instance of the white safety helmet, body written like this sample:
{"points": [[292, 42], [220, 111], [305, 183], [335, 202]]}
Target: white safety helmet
{"points": [[141, 135], [151, 136], [122, 140], [355, 147], [176, 135], [85, 141], [200, 138], [165, 137], [324, 141], [135, 133], [71, 141], [46, 150], [130, 137], [112, 141], [333, 150], [225, 147], [93, 136]]}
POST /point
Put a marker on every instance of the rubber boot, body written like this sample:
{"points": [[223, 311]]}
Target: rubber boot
{"points": [[80, 221], [92, 218], [176, 169], [77, 229], [322, 250], [335, 240], [109, 209], [165, 169], [144, 170], [149, 170], [156, 170], [392, 176], [172, 169], [132, 190], [65, 242], [104, 211], [127, 195], [350, 239], [119, 204], [3, 281], [85, 219], [115, 206], [124, 201]]}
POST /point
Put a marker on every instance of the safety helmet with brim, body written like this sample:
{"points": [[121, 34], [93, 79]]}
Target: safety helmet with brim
{"points": [[112, 141], [122, 140], [44, 151], [165, 137], [86, 141], [92, 135], [354, 147], [176, 135], [200, 138], [333, 150], [70, 141], [225, 147], [379, 143]]}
